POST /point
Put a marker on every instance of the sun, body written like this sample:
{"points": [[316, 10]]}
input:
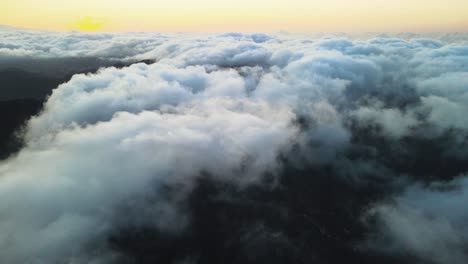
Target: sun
{"points": [[88, 24]]}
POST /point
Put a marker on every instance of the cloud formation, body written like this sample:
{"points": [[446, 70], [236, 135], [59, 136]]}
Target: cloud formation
{"points": [[238, 108]]}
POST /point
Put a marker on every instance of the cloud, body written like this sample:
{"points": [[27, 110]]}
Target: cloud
{"points": [[239, 109], [104, 157], [428, 222]]}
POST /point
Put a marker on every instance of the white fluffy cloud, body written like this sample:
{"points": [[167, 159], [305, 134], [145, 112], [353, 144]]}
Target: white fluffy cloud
{"points": [[227, 105], [106, 138]]}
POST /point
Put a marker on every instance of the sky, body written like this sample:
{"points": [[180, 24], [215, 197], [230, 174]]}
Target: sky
{"points": [[237, 15]]}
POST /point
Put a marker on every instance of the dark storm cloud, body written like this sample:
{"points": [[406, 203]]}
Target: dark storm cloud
{"points": [[238, 108]]}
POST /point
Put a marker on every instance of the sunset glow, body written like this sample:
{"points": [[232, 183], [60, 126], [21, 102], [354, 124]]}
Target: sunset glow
{"points": [[240, 15]]}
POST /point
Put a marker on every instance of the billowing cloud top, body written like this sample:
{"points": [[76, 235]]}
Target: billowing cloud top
{"points": [[238, 108]]}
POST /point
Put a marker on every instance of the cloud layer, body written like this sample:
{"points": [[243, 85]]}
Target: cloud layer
{"points": [[240, 109]]}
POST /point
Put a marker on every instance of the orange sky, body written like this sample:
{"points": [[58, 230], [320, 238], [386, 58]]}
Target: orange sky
{"points": [[237, 15]]}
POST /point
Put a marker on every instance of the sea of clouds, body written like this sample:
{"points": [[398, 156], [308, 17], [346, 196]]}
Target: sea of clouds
{"points": [[237, 107]]}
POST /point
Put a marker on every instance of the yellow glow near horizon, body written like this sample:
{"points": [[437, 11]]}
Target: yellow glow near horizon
{"points": [[88, 24], [237, 15]]}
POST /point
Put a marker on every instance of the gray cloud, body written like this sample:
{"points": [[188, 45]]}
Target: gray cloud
{"points": [[426, 221]]}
